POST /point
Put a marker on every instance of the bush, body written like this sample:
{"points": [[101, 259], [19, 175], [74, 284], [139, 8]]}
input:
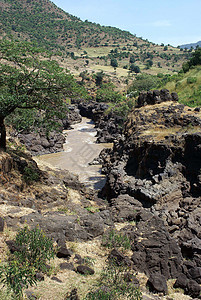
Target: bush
{"points": [[33, 251], [114, 239], [30, 174], [191, 80], [112, 285]]}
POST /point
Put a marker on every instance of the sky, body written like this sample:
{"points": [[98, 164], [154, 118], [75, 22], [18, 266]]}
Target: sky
{"points": [[173, 22]]}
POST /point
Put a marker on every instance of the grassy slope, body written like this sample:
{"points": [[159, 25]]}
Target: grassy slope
{"points": [[189, 93]]}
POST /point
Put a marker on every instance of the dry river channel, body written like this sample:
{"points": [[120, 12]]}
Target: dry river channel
{"points": [[80, 149]]}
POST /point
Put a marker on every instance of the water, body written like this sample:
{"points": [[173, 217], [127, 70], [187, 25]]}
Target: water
{"points": [[79, 150]]}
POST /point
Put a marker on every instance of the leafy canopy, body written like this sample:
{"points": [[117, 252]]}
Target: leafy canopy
{"points": [[29, 78]]}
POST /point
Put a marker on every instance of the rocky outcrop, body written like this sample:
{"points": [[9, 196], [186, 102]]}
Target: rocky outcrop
{"points": [[109, 125], [40, 142], [73, 117], [157, 163], [155, 97]]}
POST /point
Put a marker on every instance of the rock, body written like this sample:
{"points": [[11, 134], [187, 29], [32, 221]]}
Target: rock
{"points": [[153, 249], [72, 295], [12, 246], [2, 224], [85, 270], [39, 276], [181, 282], [67, 266], [195, 273], [56, 279], [118, 258], [63, 252], [194, 289], [30, 295], [130, 278], [157, 283]]}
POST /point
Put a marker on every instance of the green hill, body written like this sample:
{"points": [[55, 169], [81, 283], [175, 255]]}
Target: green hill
{"points": [[188, 86], [85, 45]]}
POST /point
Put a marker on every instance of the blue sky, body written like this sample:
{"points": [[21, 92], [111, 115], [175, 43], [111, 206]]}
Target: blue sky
{"points": [[172, 22]]}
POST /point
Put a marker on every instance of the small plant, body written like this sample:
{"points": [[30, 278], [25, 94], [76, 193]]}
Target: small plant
{"points": [[92, 209], [114, 239], [112, 285], [33, 250], [30, 174]]}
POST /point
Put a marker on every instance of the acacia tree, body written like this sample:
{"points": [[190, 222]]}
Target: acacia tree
{"points": [[29, 79]]}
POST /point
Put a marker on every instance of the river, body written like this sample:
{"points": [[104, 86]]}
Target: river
{"points": [[80, 149]]}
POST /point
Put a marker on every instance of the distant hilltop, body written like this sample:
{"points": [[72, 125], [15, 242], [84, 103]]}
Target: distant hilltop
{"points": [[193, 45]]}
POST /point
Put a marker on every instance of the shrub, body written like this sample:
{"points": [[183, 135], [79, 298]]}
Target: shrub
{"points": [[114, 239], [30, 174], [33, 250], [191, 80], [112, 285]]}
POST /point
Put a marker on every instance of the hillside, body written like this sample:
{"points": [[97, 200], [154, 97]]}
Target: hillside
{"points": [[192, 45], [85, 45], [188, 86]]}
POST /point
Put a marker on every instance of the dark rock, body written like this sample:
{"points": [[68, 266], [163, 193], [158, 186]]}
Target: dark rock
{"points": [[67, 266], [63, 252], [118, 258], [181, 282], [157, 283], [195, 273], [194, 289], [12, 246], [39, 276], [72, 295], [85, 270], [153, 249], [30, 295], [2, 224], [130, 278], [56, 279]]}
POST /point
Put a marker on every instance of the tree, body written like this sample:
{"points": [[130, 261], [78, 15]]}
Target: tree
{"points": [[114, 63], [134, 68], [195, 60], [132, 59], [30, 79]]}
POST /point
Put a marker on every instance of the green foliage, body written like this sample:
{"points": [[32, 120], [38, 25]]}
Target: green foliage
{"points": [[134, 68], [52, 28], [144, 82], [107, 94], [114, 63], [112, 285], [30, 174], [187, 85], [33, 251], [194, 60], [191, 80], [30, 79], [114, 239], [99, 78]]}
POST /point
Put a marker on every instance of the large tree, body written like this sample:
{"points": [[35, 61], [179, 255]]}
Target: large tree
{"points": [[30, 79]]}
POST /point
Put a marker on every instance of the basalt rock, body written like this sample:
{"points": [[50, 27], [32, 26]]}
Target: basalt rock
{"points": [[155, 97], [109, 125], [153, 179], [73, 117]]}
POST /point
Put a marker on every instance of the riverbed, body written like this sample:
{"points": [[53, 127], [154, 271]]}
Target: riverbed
{"points": [[80, 149]]}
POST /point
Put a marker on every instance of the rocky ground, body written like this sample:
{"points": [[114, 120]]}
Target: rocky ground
{"points": [[152, 197]]}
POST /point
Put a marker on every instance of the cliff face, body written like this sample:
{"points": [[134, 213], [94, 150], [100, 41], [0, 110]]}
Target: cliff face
{"points": [[158, 163]]}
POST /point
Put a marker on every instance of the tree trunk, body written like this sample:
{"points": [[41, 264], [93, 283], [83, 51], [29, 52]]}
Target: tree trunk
{"points": [[2, 135]]}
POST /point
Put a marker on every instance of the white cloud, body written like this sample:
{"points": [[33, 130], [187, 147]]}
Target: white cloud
{"points": [[161, 23]]}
